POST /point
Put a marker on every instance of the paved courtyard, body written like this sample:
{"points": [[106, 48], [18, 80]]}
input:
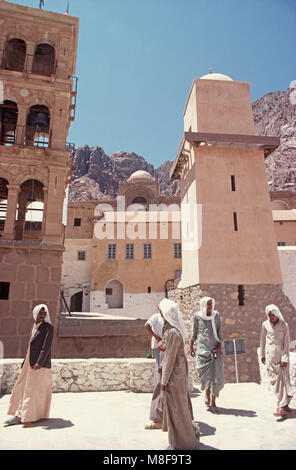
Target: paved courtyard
{"points": [[116, 420]]}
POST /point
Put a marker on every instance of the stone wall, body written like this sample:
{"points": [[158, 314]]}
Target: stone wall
{"points": [[238, 322], [34, 274], [92, 375]]}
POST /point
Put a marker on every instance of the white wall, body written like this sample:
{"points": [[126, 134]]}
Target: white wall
{"points": [[287, 257]]}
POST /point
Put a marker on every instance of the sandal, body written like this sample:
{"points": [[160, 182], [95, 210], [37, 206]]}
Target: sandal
{"points": [[154, 426], [12, 421]]}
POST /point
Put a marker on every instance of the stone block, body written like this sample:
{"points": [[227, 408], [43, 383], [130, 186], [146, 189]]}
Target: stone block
{"points": [[42, 274], [21, 308], [4, 308], [56, 274], [8, 273], [26, 273], [48, 291], [9, 327], [30, 291], [17, 291], [33, 258]]}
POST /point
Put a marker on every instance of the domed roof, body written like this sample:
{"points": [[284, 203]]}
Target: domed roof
{"points": [[141, 175], [216, 76]]}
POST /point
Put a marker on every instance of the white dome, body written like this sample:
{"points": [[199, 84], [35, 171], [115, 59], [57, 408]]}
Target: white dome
{"points": [[216, 76], [141, 175]]}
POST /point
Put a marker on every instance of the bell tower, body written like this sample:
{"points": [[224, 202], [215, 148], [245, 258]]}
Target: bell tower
{"points": [[232, 255], [37, 75]]}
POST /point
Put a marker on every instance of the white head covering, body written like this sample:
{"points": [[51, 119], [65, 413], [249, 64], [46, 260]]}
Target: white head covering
{"points": [[203, 314], [275, 310], [170, 311], [37, 309]]}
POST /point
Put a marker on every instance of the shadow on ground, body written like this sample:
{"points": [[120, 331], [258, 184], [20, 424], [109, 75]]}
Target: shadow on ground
{"points": [[51, 423], [237, 412], [206, 429]]}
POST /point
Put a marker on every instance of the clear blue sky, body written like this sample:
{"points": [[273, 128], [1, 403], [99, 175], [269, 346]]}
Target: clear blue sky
{"points": [[137, 60]]}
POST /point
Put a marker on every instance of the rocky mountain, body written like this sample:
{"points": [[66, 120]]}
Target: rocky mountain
{"points": [[97, 175], [275, 115]]}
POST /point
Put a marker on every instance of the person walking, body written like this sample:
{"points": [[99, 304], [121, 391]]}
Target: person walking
{"points": [[31, 396], [274, 348], [177, 416], [207, 331]]}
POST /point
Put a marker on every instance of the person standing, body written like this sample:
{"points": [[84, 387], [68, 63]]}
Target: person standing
{"points": [[207, 331], [31, 396], [274, 348], [177, 416], [154, 327]]}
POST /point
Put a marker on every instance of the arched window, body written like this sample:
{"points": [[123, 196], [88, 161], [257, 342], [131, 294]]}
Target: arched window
{"points": [[37, 128], [44, 60], [8, 122], [30, 211], [139, 200], [14, 55]]}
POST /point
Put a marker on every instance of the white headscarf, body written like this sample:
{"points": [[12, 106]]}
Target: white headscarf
{"points": [[275, 310], [170, 311], [37, 309], [203, 314]]}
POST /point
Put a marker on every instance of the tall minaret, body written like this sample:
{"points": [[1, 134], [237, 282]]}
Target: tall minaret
{"points": [[226, 206]]}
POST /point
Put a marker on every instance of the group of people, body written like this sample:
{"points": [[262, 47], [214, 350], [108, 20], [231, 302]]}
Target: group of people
{"points": [[171, 408]]}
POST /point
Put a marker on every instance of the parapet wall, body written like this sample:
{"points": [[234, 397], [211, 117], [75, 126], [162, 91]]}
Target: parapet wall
{"points": [[92, 375]]}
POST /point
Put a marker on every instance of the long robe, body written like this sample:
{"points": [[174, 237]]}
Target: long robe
{"points": [[210, 370], [274, 346], [177, 418], [31, 396]]}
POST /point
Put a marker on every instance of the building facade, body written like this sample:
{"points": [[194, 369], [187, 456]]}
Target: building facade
{"points": [[121, 264]]}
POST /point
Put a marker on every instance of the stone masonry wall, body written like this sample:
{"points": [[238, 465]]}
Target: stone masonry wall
{"points": [[81, 375], [34, 276], [241, 322]]}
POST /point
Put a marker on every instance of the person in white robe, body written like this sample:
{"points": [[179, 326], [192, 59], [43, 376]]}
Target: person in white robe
{"points": [[274, 348], [207, 332], [31, 396]]}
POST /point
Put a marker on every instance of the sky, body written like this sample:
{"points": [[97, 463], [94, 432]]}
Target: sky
{"points": [[137, 60]]}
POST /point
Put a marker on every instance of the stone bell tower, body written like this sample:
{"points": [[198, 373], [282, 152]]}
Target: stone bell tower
{"points": [[37, 66], [226, 206]]}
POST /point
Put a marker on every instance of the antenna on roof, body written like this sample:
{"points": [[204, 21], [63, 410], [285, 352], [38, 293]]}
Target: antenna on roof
{"points": [[211, 70], [68, 9], [41, 4]]}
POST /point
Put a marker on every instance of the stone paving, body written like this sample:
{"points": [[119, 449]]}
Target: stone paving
{"points": [[116, 420]]}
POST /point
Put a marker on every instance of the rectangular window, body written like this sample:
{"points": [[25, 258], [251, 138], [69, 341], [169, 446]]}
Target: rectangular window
{"points": [[281, 243], [147, 250], [129, 251], [4, 290], [111, 254], [81, 255], [232, 182], [235, 221], [177, 250], [108, 291], [77, 222], [149, 290], [241, 295]]}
